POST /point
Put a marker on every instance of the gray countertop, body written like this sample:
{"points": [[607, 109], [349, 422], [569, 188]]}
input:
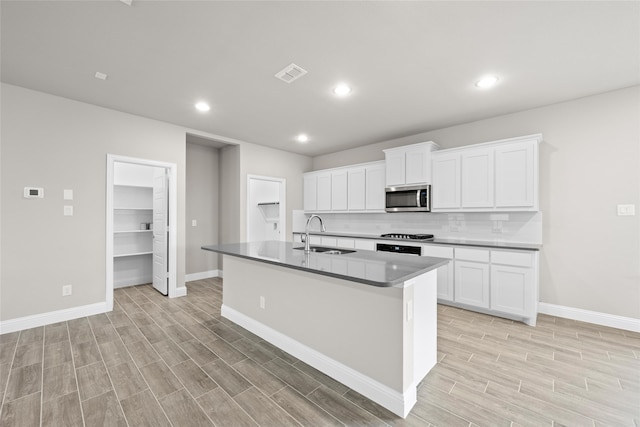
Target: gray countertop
{"points": [[381, 269], [436, 241]]}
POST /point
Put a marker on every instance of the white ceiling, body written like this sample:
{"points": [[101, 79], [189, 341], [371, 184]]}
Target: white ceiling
{"points": [[412, 65]]}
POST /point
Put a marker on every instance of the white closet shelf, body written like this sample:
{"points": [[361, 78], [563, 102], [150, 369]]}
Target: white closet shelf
{"points": [[270, 211], [132, 254], [120, 210], [132, 231], [133, 186]]}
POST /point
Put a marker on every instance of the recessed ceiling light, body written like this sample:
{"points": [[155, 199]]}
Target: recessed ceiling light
{"points": [[127, 2], [101, 76], [203, 106], [487, 82], [302, 138], [342, 90]]}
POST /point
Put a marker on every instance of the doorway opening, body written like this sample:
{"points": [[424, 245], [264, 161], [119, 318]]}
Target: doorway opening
{"points": [[141, 226], [266, 208]]}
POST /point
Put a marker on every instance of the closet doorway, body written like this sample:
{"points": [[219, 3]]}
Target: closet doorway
{"points": [[141, 224], [266, 208]]}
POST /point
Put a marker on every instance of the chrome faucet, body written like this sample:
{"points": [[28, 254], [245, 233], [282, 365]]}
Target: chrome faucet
{"points": [[307, 248]]}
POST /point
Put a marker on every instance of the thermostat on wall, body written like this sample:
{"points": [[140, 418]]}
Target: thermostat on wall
{"points": [[33, 193]]}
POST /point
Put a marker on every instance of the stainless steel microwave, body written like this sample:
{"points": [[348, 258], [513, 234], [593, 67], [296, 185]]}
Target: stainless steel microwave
{"points": [[416, 198]]}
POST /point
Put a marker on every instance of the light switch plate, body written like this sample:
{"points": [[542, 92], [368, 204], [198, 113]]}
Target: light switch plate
{"points": [[68, 194], [68, 211], [626, 210]]}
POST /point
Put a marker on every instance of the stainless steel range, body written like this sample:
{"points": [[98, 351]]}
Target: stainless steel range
{"points": [[403, 249], [408, 236]]}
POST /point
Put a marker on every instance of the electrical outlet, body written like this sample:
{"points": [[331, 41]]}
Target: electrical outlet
{"points": [[194, 223], [626, 210], [497, 227], [262, 303], [67, 290]]}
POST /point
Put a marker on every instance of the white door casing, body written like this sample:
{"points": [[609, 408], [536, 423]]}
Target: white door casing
{"points": [[160, 230], [172, 172]]}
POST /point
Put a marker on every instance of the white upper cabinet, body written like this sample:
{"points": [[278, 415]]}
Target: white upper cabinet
{"points": [[477, 178], [374, 188], [516, 177], [445, 182], [324, 192], [339, 190], [410, 164], [395, 165], [357, 188], [310, 189], [494, 176]]}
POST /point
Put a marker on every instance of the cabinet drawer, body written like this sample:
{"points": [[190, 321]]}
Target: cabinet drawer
{"points": [[315, 240], [519, 259], [478, 255], [365, 244], [329, 241], [437, 251], [346, 243]]}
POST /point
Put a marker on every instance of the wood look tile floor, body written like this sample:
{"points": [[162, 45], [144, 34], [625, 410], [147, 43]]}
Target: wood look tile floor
{"points": [[155, 361]]}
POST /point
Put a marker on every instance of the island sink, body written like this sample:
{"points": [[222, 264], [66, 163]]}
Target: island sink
{"points": [[330, 251]]}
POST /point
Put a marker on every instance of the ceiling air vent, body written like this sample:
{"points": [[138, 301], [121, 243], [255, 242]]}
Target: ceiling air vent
{"points": [[290, 73]]}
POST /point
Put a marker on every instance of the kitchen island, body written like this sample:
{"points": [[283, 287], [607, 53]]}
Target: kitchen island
{"points": [[367, 319]]}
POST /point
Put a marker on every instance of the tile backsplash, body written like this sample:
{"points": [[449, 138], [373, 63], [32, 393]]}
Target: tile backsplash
{"points": [[520, 227]]}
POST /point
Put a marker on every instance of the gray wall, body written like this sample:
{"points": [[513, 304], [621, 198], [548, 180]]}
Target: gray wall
{"points": [[589, 163], [59, 144], [202, 199], [259, 160], [230, 194]]}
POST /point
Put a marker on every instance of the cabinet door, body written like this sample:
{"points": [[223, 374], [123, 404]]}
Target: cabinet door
{"points": [[417, 167], [477, 178], [324, 192], [374, 199], [516, 175], [471, 283], [339, 190], [395, 167], [445, 273], [310, 192], [346, 243], [445, 181], [332, 242], [365, 244], [357, 185], [512, 289]]}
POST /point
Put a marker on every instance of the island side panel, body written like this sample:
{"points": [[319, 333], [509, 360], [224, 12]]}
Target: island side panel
{"points": [[425, 323], [360, 326]]}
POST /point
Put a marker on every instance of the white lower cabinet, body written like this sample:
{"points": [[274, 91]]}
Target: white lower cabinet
{"points": [[472, 283], [315, 240], [346, 243], [499, 282], [332, 242], [445, 273], [511, 289], [365, 244], [514, 287]]}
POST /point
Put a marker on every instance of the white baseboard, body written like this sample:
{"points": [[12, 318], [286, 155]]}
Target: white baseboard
{"points": [[33, 321], [180, 292], [398, 403], [603, 319], [202, 275]]}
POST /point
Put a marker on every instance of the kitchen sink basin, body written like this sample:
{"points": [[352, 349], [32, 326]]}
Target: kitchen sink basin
{"points": [[330, 251]]}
